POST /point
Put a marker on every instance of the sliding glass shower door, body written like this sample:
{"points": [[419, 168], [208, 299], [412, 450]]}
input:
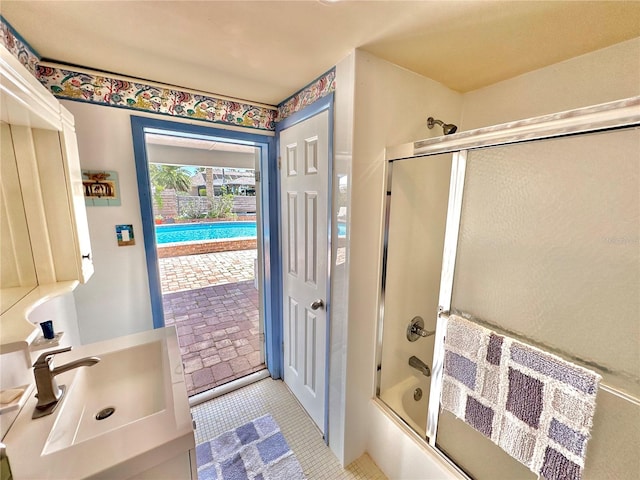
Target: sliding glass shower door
{"points": [[549, 253]]}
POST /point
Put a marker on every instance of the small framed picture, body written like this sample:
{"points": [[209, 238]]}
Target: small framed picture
{"points": [[101, 188]]}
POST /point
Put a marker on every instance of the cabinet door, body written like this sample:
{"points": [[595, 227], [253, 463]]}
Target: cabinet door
{"points": [[59, 173], [75, 190]]}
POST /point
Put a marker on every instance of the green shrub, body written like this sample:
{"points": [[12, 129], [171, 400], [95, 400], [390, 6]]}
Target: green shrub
{"points": [[222, 206], [190, 210]]}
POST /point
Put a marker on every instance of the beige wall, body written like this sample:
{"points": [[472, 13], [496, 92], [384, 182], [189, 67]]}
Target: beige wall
{"points": [[390, 106], [389, 109], [342, 159], [598, 77], [377, 104], [116, 300]]}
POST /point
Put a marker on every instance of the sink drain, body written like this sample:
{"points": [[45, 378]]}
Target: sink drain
{"points": [[105, 413]]}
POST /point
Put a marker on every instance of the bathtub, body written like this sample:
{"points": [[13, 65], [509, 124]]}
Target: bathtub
{"points": [[400, 398]]}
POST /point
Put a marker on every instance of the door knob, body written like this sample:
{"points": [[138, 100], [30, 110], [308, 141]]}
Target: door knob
{"points": [[317, 304]]}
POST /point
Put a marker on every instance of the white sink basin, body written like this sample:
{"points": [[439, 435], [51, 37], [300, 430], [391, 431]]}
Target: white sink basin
{"points": [[131, 381], [140, 376]]}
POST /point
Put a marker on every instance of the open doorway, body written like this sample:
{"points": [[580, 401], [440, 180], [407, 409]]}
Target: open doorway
{"points": [[204, 215], [205, 212]]}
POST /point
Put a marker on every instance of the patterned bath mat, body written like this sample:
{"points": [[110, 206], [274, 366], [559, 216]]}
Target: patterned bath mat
{"points": [[255, 451], [536, 406]]}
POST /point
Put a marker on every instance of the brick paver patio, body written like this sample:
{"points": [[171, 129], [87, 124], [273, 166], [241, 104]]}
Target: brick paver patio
{"points": [[212, 300], [197, 271]]}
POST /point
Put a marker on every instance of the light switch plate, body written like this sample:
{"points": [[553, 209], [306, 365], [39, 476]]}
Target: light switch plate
{"points": [[124, 234]]}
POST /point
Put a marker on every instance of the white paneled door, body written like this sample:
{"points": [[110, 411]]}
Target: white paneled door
{"points": [[304, 176]]}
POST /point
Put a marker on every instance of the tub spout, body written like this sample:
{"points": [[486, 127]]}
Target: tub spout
{"points": [[418, 364]]}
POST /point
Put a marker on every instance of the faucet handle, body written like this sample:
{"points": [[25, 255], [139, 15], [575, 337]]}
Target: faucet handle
{"points": [[45, 358]]}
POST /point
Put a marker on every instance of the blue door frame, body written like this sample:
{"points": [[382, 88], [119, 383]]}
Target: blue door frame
{"points": [[270, 231]]}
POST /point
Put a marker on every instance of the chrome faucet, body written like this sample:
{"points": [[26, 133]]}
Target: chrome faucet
{"points": [[419, 365], [415, 330], [49, 393]]}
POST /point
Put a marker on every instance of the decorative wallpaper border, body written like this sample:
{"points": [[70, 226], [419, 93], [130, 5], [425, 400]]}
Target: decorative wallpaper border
{"points": [[320, 87], [18, 47], [103, 90]]}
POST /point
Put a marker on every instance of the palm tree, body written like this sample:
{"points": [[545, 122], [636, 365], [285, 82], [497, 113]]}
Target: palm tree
{"points": [[169, 176]]}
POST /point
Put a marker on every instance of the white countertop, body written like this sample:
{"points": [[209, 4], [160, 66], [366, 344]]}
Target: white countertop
{"points": [[119, 453]]}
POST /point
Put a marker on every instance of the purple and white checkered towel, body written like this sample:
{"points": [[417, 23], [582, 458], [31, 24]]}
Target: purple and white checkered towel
{"points": [[536, 406]]}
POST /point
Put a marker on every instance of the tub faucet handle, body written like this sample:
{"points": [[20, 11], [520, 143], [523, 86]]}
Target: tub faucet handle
{"points": [[415, 329]]}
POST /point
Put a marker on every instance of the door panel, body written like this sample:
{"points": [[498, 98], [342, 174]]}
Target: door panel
{"points": [[293, 336], [310, 336], [304, 182], [292, 228], [311, 237]]}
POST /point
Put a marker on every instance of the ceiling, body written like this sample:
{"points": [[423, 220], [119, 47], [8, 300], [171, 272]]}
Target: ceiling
{"points": [[264, 51], [197, 143]]}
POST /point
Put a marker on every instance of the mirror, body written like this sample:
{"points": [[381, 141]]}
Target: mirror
{"points": [[17, 268]]}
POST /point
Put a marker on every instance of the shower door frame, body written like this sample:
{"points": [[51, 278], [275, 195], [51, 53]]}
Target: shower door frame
{"points": [[610, 116]]}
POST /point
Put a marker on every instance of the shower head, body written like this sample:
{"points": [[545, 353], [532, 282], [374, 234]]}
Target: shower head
{"points": [[447, 128]]}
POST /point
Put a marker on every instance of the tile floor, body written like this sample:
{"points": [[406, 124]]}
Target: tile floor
{"points": [[273, 397], [217, 324]]}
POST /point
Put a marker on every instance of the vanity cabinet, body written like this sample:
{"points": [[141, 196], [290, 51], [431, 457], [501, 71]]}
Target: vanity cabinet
{"points": [[43, 152], [150, 434]]}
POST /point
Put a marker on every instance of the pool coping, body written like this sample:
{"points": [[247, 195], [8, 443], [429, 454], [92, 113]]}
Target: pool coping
{"points": [[198, 247]]}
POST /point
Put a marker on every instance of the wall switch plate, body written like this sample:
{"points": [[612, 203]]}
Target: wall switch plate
{"points": [[124, 234]]}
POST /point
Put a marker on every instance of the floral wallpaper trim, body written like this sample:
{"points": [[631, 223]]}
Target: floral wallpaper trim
{"points": [[103, 90], [18, 47], [322, 86]]}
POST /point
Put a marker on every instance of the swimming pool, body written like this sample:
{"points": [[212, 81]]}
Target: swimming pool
{"points": [[194, 232]]}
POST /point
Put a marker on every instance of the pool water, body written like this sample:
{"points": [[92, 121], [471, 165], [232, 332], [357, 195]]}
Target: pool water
{"points": [[193, 232]]}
